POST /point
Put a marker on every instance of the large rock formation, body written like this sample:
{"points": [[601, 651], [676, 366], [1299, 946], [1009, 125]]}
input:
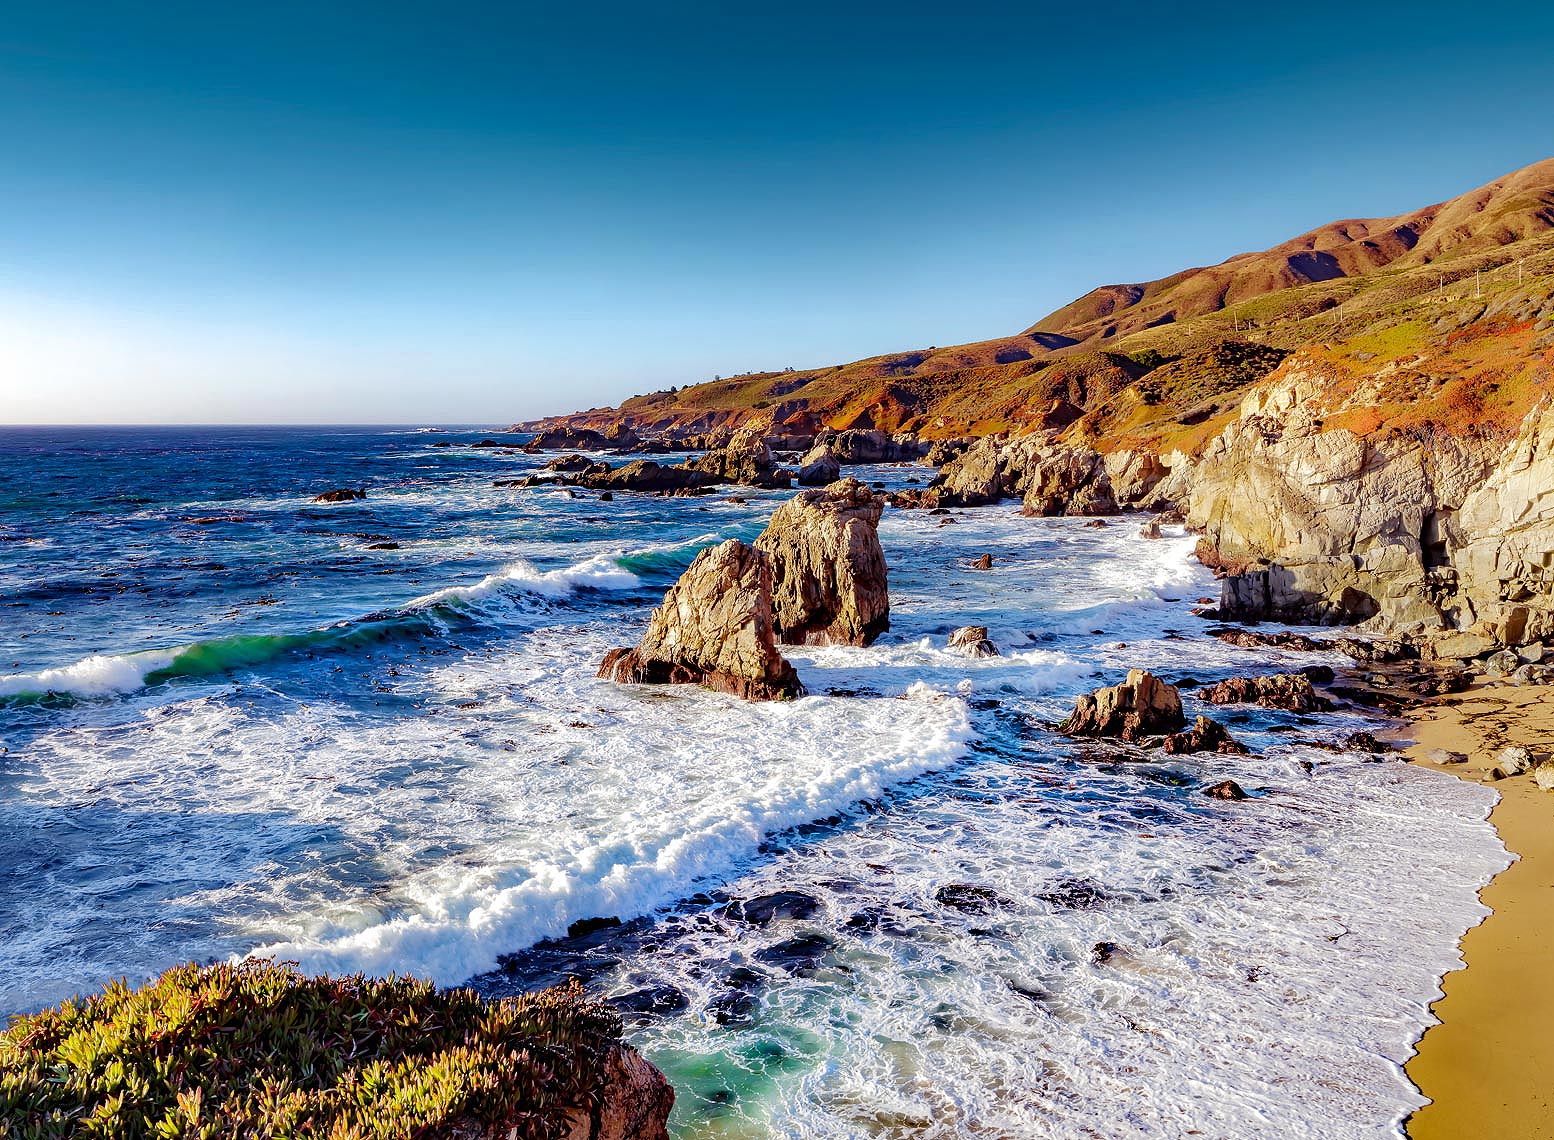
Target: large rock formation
{"points": [[714, 628], [829, 567], [1289, 691], [745, 459], [867, 445], [1058, 478], [1419, 530], [1143, 705]]}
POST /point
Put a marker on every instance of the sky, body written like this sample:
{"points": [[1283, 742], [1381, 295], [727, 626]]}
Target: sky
{"points": [[481, 213]]}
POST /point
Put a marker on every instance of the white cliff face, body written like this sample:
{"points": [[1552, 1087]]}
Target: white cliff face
{"points": [[1418, 530]]}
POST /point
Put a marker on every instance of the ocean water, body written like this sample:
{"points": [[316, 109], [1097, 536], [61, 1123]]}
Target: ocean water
{"points": [[368, 735]]}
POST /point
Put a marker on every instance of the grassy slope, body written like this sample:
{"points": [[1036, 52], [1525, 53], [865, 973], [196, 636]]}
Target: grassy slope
{"points": [[1412, 281]]}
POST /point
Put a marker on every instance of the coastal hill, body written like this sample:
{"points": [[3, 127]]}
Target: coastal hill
{"points": [[1163, 363]]}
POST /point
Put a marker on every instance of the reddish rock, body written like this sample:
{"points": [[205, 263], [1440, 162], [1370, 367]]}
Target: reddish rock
{"points": [[1205, 736], [1289, 691], [1143, 705]]}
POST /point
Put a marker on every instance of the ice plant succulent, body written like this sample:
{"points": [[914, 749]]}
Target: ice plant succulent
{"points": [[259, 1049]]}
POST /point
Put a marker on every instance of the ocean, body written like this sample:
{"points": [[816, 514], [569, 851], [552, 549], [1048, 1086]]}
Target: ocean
{"points": [[368, 736]]}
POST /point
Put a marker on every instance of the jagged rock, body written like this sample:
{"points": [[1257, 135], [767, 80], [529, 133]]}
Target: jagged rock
{"points": [[972, 641], [974, 478], [745, 459], [1143, 705], [1255, 639], [819, 468], [1205, 736], [635, 1105], [1543, 775], [867, 445], [1289, 691], [828, 566], [1514, 760], [714, 628], [570, 439], [341, 495], [1151, 529], [1530, 674], [570, 464], [643, 475], [1225, 790], [1364, 742], [944, 450], [984, 562]]}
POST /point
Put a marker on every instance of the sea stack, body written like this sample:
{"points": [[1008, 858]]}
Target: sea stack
{"points": [[1143, 705], [714, 628], [828, 566]]}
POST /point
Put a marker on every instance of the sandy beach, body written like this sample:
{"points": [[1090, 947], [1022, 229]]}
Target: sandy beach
{"points": [[1488, 1067]]}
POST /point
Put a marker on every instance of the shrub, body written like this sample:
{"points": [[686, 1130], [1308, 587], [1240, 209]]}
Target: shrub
{"points": [[260, 1050]]}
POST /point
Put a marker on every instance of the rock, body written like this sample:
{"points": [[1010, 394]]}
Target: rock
{"points": [[867, 445], [1097, 524], [944, 450], [828, 566], [715, 628], [606, 496], [766, 909], [341, 495], [985, 562], [568, 439], [1514, 760], [1543, 775], [1461, 645], [746, 459], [971, 641], [1364, 742], [1530, 674], [819, 468], [1530, 654], [1255, 639], [635, 1106], [1205, 736], [1143, 705], [1225, 790], [1151, 529], [570, 464], [644, 475], [970, 898], [1445, 756], [1289, 691], [1502, 664]]}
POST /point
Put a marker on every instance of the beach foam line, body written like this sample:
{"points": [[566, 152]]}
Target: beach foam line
{"points": [[463, 921]]}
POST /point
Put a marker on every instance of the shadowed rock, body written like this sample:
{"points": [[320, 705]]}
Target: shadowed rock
{"points": [[1205, 736], [972, 641], [1225, 790], [819, 468], [1141, 706], [828, 567], [713, 629]]}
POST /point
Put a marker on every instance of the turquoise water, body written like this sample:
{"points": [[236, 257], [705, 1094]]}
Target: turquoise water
{"points": [[367, 735]]}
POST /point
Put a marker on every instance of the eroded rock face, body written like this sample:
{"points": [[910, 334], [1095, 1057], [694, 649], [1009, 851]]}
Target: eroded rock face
{"points": [[714, 628], [1057, 478], [1289, 691], [819, 468], [745, 459], [867, 445], [1143, 705], [828, 566], [972, 641], [636, 1104]]}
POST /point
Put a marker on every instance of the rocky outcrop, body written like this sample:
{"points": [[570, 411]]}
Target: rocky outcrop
{"points": [[1289, 691], [746, 459], [341, 495], [1143, 705], [819, 468], [1419, 530], [714, 628], [618, 437], [635, 1104], [644, 475], [972, 641], [1205, 735], [866, 445], [1053, 477], [828, 566]]}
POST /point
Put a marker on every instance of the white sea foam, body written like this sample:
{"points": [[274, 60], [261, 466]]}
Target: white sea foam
{"points": [[597, 573], [100, 675]]}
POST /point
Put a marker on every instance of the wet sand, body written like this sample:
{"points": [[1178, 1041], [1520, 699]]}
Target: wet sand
{"points": [[1488, 1067]]}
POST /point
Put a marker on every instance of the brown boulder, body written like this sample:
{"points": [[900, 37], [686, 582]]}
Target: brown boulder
{"points": [[1225, 790], [341, 495], [985, 562], [715, 629], [635, 1104], [1141, 706], [1205, 736], [972, 641], [1291, 691], [828, 566]]}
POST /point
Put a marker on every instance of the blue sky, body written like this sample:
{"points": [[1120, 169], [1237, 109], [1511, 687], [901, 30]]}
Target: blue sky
{"points": [[465, 212]]}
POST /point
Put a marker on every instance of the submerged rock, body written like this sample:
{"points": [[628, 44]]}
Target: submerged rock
{"points": [[341, 495], [829, 575], [1225, 790], [1143, 705], [972, 641], [1289, 691], [714, 628]]}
